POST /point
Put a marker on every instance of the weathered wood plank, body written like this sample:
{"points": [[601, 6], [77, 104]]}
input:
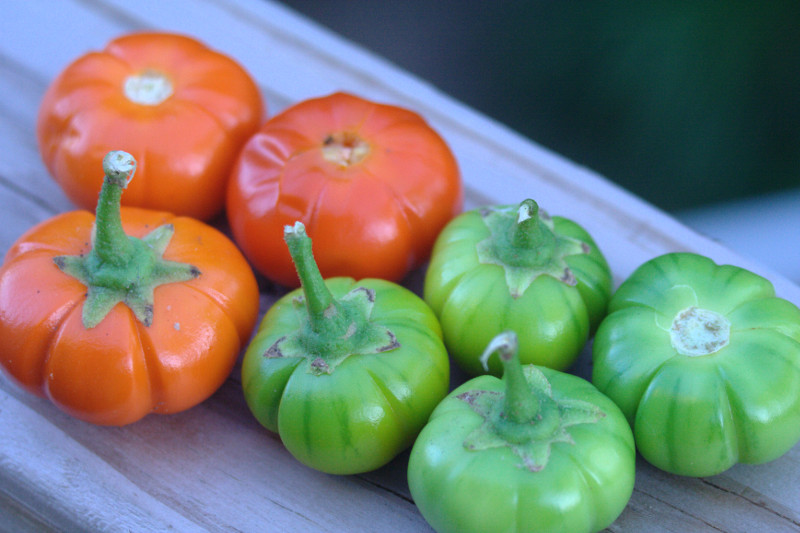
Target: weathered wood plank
{"points": [[74, 488], [213, 468]]}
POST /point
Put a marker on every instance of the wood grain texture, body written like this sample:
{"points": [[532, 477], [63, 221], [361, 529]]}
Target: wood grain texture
{"points": [[213, 468]]}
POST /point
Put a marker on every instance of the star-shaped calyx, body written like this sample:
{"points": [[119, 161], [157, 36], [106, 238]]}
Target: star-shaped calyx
{"points": [[121, 268], [525, 418], [330, 329], [522, 240]]}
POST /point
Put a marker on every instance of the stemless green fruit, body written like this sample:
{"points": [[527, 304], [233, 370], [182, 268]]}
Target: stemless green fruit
{"points": [[538, 451], [345, 372], [514, 268], [704, 360]]}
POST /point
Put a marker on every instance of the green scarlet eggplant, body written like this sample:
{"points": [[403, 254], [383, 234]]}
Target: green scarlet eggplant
{"points": [[536, 451], [704, 360], [346, 372], [515, 268]]}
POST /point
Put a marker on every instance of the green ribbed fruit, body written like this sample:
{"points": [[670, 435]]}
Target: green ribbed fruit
{"points": [[704, 360], [512, 267], [346, 372]]}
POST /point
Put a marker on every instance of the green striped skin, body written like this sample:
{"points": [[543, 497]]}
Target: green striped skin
{"points": [[552, 319], [700, 415], [372, 406], [584, 486]]}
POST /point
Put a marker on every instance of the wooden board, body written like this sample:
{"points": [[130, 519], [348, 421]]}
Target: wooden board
{"points": [[213, 467]]}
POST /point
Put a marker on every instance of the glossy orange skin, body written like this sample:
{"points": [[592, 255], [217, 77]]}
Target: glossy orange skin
{"points": [[376, 218], [121, 370], [188, 142]]}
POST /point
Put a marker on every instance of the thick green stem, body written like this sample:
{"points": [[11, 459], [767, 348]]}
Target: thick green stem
{"points": [[111, 244], [520, 405], [320, 302], [529, 233]]}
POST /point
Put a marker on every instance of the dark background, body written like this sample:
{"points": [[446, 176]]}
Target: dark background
{"points": [[683, 103]]}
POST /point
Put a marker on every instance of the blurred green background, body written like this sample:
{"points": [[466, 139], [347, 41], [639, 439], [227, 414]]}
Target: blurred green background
{"points": [[683, 103]]}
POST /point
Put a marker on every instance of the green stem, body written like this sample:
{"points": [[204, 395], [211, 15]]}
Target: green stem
{"points": [[111, 244], [529, 233], [320, 302], [520, 405]]}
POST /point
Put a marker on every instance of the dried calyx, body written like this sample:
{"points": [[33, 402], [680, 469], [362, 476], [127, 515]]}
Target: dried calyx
{"points": [[696, 332], [148, 88], [345, 149]]}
